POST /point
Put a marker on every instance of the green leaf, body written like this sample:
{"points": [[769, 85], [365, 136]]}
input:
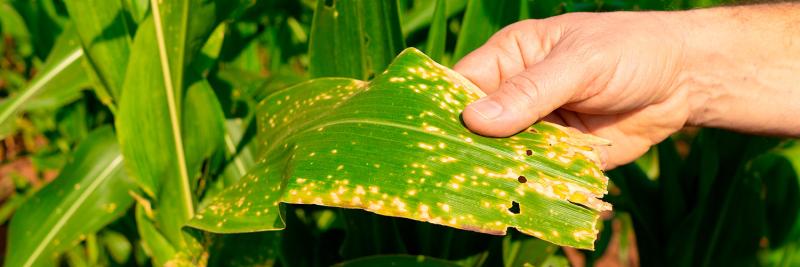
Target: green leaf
{"points": [[521, 251], [482, 19], [105, 38], [91, 191], [12, 24], [149, 119], [43, 22], [422, 14], [437, 34], [119, 248], [398, 260], [153, 242], [59, 82], [250, 249], [354, 38], [395, 146]]}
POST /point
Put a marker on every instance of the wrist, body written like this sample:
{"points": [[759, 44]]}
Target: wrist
{"points": [[741, 67]]}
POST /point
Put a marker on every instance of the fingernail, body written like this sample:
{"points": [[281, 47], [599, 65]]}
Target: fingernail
{"points": [[487, 108]]}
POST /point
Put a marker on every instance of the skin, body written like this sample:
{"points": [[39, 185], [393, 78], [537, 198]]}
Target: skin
{"points": [[637, 77]]}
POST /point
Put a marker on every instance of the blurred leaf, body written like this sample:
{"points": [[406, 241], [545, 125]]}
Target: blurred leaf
{"points": [[91, 191], [481, 20], [422, 14], [43, 22], [13, 25], [105, 38], [522, 251], [354, 38], [210, 51], [395, 146], [780, 171], [153, 242], [149, 119], [137, 9], [239, 153], [59, 82], [250, 249], [398, 260], [437, 33], [204, 121], [118, 246]]}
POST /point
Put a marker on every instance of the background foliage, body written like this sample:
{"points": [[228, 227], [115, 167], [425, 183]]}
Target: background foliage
{"points": [[72, 70]]}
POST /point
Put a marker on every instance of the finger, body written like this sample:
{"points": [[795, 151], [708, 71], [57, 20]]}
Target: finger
{"points": [[507, 53], [528, 96]]}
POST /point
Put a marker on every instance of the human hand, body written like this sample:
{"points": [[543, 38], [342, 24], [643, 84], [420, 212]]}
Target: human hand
{"points": [[615, 75]]}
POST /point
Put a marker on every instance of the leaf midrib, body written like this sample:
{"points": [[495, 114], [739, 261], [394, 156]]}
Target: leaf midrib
{"points": [[39, 84], [103, 176], [171, 105]]}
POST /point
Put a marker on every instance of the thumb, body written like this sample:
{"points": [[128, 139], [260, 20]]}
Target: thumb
{"points": [[526, 97]]}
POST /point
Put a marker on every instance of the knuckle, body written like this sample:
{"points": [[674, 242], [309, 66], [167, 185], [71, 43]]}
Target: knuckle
{"points": [[523, 92]]}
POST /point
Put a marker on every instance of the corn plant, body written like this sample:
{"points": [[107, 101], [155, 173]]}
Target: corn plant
{"points": [[313, 133]]}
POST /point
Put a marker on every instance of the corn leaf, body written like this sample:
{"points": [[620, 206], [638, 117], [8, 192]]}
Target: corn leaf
{"points": [[422, 14], [161, 157], [354, 38], [91, 191], [482, 19], [105, 38], [437, 34], [395, 146], [58, 83]]}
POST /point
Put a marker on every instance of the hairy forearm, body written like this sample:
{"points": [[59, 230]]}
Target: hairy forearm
{"points": [[742, 67]]}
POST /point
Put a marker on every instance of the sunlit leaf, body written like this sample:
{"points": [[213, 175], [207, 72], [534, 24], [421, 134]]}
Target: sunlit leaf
{"points": [[395, 146], [161, 156], [91, 191]]}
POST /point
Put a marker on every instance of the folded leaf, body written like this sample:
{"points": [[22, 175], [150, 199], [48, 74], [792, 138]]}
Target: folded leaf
{"points": [[395, 146]]}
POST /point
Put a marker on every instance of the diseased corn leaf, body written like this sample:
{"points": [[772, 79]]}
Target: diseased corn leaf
{"points": [[395, 146], [59, 82], [354, 38], [160, 154], [91, 191], [105, 38]]}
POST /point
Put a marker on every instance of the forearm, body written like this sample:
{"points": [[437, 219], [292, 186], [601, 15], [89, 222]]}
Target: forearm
{"points": [[742, 68]]}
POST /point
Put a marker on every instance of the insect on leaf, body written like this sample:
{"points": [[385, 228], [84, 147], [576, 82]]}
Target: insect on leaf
{"points": [[395, 146]]}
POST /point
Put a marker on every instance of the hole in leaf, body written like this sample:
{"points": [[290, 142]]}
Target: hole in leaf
{"points": [[330, 3], [522, 179], [528, 152], [514, 207]]}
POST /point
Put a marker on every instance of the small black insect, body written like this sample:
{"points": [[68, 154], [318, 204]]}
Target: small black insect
{"points": [[522, 179]]}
